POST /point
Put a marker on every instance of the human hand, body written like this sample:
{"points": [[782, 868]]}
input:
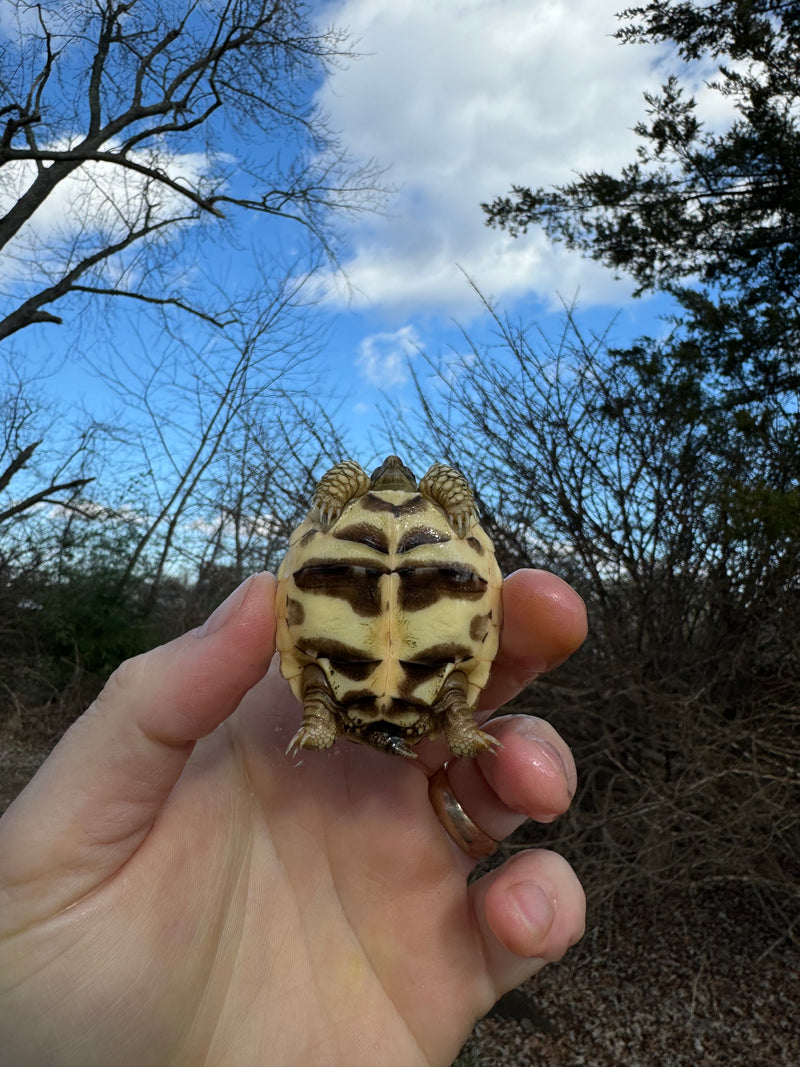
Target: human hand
{"points": [[174, 888]]}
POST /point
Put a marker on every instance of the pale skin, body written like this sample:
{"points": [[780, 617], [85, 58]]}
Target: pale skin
{"points": [[174, 888]]}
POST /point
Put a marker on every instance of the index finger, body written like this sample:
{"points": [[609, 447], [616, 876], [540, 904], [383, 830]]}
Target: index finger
{"points": [[544, 622]]}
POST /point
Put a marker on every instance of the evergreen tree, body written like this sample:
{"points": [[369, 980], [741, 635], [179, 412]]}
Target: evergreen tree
{"points": [[710, 216]]}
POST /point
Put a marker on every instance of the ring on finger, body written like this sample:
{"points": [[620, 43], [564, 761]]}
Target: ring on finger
{"points": [[467, 835]]}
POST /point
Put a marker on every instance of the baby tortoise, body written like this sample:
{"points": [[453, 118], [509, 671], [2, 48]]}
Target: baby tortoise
{"points": [[389, 610]]}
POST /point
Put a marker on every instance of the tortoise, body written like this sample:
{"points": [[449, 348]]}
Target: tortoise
{"points": [[389, 610]]}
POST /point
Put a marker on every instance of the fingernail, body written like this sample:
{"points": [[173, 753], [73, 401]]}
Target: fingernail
{"points": [[226, 610], [549, 756], [535, 908]]}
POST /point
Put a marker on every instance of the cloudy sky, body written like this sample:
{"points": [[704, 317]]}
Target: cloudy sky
{"points": [[457, 99]]}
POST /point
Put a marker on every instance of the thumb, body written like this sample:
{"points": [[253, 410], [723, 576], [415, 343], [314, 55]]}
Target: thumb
{"points": [[95, 798]]}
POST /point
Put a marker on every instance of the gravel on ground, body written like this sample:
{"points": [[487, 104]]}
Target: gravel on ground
{"points": [[690, 980]]}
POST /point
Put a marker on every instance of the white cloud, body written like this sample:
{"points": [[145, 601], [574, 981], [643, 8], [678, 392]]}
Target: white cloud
{"points": [[383, 357], [460, 99]]}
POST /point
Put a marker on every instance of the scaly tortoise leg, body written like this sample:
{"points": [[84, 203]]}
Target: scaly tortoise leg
{"points": [[318, 729], [337, 487], [461, 732], [448, 488]]}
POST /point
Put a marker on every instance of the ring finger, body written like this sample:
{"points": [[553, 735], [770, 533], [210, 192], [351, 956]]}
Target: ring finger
{"points": [[531, 777]]}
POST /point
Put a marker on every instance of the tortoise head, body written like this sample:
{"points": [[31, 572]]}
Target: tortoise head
{"points": [[393, 474]]}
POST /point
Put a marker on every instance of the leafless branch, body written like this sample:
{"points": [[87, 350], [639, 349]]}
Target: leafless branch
{"points": [[42, 496], [153, 80]]}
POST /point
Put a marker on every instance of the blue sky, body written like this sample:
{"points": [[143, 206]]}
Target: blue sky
{"points": [[456, 99]]}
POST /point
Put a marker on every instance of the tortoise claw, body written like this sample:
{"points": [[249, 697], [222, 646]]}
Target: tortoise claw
{"points": [[448, 488], [460, 521], [468, 744], [309, 736]]}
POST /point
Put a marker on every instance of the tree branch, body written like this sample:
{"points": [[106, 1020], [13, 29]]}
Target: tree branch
{"points": [[80, 156], [163, 301], [28, 312], [41, 497], [135, 79], [17, 463]]}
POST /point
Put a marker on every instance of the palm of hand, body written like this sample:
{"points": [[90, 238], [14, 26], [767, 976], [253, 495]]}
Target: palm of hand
{"points": [[262, 877]]}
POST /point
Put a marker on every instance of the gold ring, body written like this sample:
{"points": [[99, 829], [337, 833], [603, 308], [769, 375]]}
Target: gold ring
{"points": [[469, 837]]}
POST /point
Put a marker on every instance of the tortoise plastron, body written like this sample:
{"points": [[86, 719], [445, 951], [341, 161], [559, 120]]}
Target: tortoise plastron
{"points": [[389, 610]]}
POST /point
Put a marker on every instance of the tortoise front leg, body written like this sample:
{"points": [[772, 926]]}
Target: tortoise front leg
{"points": [[337, 487], [461, 732], [448, 488], [320, 708]]}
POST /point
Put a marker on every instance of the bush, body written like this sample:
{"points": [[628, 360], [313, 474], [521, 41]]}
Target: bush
{"points": [[682, 708]]}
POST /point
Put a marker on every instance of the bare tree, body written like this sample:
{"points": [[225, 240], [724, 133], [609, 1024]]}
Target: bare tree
{"points": [[24, 418], [256, 493], [130, 125], [218, 443], [135, 137], [580, 470]]}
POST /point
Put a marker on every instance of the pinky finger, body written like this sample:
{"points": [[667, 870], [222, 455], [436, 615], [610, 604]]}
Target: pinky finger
{"points": [[529, 912]]}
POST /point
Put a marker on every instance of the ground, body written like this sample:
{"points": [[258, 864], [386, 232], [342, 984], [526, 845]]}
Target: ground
{"points": [[692, 980]]}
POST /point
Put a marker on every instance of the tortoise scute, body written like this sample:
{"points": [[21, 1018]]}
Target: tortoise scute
{"points": [[389, 608]]}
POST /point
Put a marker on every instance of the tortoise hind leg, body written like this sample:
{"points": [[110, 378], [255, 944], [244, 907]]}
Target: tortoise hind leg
{"points": [[319, 726], [448, 488], [461, 732]]}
